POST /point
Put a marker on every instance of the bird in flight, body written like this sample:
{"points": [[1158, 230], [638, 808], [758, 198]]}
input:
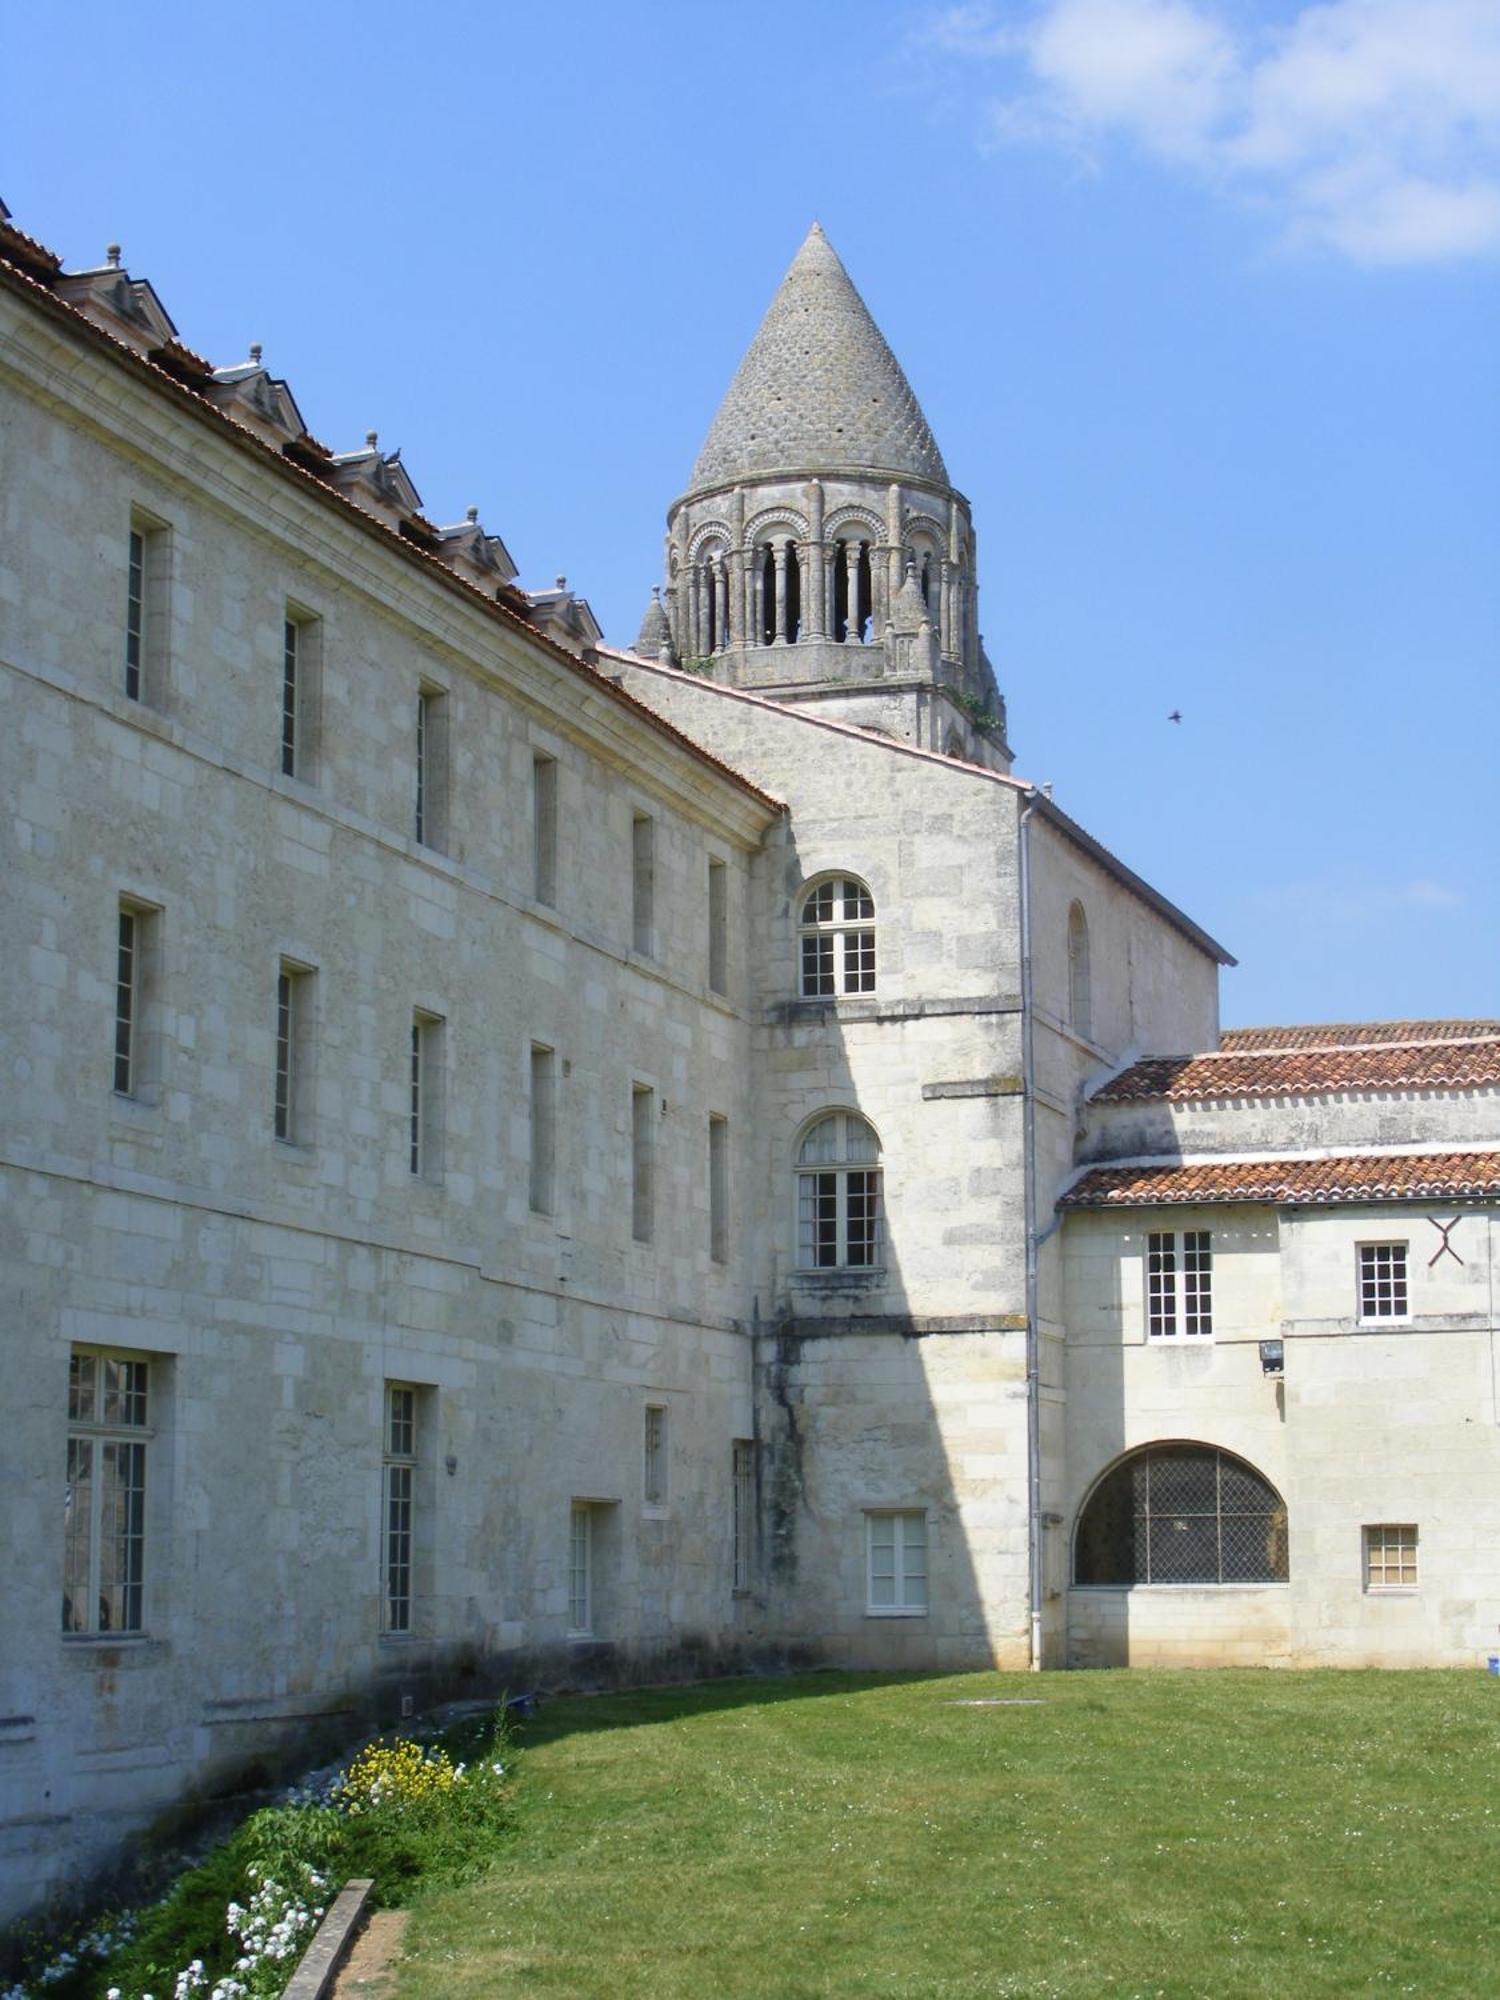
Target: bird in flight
{"points": [[1175, 716]]}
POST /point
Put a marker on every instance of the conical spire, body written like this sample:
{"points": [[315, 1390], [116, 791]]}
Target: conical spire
{"points": [[818, 389]]}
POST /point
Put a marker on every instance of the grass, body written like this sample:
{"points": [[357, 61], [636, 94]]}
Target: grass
{"points": [[1227, 1834]]}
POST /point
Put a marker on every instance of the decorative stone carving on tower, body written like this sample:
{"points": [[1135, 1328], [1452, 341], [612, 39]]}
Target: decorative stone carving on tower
{"points": [[821, 554]]}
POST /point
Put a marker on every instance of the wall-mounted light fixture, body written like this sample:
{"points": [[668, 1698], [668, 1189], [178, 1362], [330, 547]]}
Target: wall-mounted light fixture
{"points": [[1272, 1357]]}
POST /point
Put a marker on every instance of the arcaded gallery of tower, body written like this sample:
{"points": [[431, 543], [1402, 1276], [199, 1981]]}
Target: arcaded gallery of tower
{"points": [[534, 1163]]}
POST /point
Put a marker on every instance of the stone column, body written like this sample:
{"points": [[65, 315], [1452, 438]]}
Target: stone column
{"points": [[780, 553], [721, 584], [815, 567], [757, 596]]}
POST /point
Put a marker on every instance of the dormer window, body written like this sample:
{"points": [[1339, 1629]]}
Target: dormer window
{"points": [[837, 938]]}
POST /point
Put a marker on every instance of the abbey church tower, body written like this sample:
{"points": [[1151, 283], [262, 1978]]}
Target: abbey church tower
{"points": [[821, 555]]}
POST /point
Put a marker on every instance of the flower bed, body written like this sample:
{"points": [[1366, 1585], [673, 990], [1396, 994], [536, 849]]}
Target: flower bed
{"points": [[234, 1926]]}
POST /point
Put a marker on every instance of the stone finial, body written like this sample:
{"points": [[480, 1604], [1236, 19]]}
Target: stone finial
{"points": [[256, 350], [471, 515], [655, 639], [372, 440], [562, 583], [112, 255]]}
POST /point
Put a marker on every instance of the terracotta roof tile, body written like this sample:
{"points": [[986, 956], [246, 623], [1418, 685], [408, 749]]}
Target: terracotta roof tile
{"points": [[1310, 1072], [1351, 1034], [1352, 1177]]}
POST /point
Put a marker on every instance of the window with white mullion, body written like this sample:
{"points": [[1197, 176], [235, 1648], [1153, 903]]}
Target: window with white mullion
{"points": [[127, 1002], [580, 1569], [135, 614], [1382, 1281], [399, 1499], [104, 1516], [896, 1553], [291, 640], [1179, 1284], [837, 939], [838, 1194]]}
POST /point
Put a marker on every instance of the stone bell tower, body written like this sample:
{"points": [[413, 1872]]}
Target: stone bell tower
{"points": [[821, 555]]}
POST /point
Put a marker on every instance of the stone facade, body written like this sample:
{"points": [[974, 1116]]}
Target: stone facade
{"points": [[530, 1164]]}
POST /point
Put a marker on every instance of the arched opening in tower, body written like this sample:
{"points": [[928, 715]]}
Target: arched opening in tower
{"points": [[792, 629], [768, 596]]}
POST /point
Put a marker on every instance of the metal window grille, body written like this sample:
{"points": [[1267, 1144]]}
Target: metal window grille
{"points": [[718, 1189], [1182, 1514], [743, 1501], [655, 1456], [642, 1162], [642, 882], [543, 1129], [544, 828], [1391, 1556], [897, 1545], [838, 1205], [400, 1470], [104, 1513], [135, 614], [580, 1568], [838, 947], [126, 1002], [1382, 1281], [415, 1112], [286, 1052], [291, 639], [718, 927]]}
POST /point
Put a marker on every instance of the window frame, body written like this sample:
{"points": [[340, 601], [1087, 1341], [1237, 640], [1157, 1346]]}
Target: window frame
{"points": [[431, 768], [400, 1461], [902, 1520], [541, 1164], [293, 1047], [135, 1056], [811, 1216], [544, 829], [837, 953], [656, 1458], [742, 1515], [301, 685], [1181, 1293], [642, 1162], [427, 1098], [101, 1436], [1368, 1280], [718, 927], [148, 608], [1400, 1540], [643, 884], [580, 1569], [718, 1188], [1096, 1547]]}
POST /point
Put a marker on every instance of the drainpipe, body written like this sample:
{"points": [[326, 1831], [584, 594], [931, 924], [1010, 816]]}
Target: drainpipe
{"points": [[1033, 1330]]}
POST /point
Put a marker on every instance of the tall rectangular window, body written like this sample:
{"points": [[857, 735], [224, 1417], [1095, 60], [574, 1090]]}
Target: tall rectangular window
{"points": [[718, 927], [543, 1129], [742, 1471], [301, 674], [718, 1188], [544, 828], [426, 1096], [431, 816], [295, 994], [642, 1162], [104, 1512], [136, 946], [643, 883], [1382, 1281], [581, 1569], [398, 1504], [1179, 1283], [147, 608], [654, 1455], [1391, 1556], [896, 1546]]}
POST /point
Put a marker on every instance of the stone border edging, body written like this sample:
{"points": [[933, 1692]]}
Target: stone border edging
{"points": [[319, 1964]]}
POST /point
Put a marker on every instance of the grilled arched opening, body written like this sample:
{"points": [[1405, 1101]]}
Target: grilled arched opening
{"points": [[1180, 1512]]}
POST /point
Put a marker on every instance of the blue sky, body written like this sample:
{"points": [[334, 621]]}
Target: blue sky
{"points": [[1200, 299]]}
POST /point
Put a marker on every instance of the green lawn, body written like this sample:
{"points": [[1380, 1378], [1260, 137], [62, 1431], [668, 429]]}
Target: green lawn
{"points": [[1179, 1834]]}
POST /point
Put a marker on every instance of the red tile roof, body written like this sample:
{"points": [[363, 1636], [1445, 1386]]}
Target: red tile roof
{"points": [[1354, 1177], [1309, 1072], [1351, 1034]]}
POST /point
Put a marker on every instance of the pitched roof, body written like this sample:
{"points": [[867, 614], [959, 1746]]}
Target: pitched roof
{"points": [[1309, 1072], [1352, 1034], [818, 387], [1354, 1177]]}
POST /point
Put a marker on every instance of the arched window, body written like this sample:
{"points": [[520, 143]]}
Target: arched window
{"points": [[838, 938], [838, 1194], [1080, 999], [1181, 1513]]}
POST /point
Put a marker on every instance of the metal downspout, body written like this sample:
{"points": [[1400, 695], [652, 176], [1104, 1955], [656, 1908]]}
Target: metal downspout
{"points": [[1033, 1331]]}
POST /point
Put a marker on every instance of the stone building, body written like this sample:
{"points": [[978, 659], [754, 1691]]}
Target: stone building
{"points": [[527, 1163]]}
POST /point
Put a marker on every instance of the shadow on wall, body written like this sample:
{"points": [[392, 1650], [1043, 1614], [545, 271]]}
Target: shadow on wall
{"points": [[892, 1438]]}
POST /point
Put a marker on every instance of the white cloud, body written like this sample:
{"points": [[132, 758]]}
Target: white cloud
{"points": [[1374, 125]]}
